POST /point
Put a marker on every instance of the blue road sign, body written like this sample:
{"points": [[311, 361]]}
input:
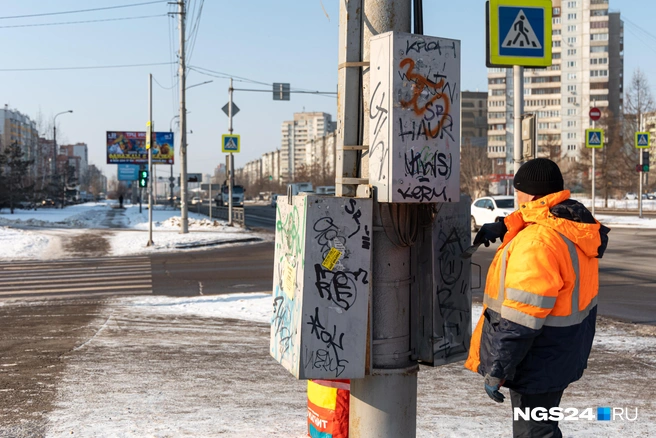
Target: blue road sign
{"points": [[128, 172], [522, 30], [642, 140], [594, 138], [519, 33], [230, 143]]}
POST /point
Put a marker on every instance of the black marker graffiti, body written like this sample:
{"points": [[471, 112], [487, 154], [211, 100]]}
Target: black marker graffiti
{"points": [[357, 214], [366, 240], [423, 193], [328, 234], [339, 287], [326, 359], [424, 164]]}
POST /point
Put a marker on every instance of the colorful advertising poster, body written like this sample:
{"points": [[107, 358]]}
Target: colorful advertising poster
{"points": [[130, 148]]}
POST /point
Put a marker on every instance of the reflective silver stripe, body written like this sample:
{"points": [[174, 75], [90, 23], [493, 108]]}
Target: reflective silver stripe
{"points": [[530, 298], [522, 318], [495, 304], [576, 316], [573, 319]]}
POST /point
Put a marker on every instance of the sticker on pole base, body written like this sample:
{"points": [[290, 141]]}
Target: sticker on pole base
{"points": [[594, 138], [331, 259], [230, 143]]}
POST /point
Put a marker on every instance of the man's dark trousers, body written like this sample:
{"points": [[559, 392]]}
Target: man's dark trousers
{"points": [[531, 428]]}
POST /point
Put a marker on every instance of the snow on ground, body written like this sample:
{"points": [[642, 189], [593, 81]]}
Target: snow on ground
{"points": [[163, 366], [128, 234], [28, 245]]}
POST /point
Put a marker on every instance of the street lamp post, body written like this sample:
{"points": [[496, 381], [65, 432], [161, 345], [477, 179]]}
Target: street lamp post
{"points": [[54, 149]]}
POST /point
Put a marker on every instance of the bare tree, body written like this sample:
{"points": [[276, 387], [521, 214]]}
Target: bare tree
{"points": [[475, 169], [638, 101]]}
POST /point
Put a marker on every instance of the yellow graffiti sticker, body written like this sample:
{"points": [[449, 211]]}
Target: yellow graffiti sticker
{"points": [[331, 259], [289, 279]]}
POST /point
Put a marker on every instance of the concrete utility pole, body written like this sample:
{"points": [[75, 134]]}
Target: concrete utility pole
{"points": [[184, 222], [518, 103], [231, 162], [150, 160], [384, 403]]}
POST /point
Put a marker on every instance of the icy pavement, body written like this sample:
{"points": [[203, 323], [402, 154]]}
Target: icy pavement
{"points": [[48, 232], [177, 367]]}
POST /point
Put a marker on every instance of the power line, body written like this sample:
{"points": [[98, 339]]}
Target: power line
{"points": [[83, 10], [95, 67], [221, 75], [81, 22]]}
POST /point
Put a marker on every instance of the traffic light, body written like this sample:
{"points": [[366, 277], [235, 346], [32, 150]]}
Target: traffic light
{"points": [[270, 177], [645, 167], [143, 178], [638, 168]]}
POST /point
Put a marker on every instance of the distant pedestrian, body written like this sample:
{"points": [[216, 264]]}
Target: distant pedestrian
{"points": [[540, 301], [120, 201]]}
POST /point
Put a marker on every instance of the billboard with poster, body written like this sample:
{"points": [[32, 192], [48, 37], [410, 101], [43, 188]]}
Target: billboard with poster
{"points": [[130, 147]]}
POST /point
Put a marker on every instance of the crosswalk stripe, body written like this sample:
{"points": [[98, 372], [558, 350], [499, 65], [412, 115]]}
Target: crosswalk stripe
{"points": [[93, 276]]}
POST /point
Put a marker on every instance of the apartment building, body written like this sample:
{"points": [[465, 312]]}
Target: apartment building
{"points": [[587, 71], [320, 155], [296, 134], [16, 127], [474, 118]]}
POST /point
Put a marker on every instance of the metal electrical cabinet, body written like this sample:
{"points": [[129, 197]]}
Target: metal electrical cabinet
{"points": [[414, 126], [441, 323], [321, 286]]}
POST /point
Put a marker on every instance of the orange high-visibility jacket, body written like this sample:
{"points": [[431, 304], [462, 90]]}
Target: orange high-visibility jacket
{"points": [[540, 298]]}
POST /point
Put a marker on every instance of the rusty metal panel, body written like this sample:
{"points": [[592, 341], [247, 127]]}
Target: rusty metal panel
{"points": [[321, 284], [414, 129]]}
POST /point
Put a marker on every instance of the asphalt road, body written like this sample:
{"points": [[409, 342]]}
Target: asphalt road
{"points": [[627, 277]]}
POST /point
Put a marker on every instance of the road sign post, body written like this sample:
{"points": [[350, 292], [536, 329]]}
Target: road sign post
{"points": [[519, 33], [595, 114]]}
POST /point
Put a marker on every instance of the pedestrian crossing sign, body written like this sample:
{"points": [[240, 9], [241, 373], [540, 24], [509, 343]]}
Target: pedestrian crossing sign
{"points": [[519, 33], [230, 143], [642, 140], [594, 138]]}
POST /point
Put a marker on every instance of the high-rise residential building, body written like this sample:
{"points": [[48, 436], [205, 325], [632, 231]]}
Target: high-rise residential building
{"points": [[320, 156], [81, 151], [16, 127], [474, 118], [295, 136], [587, 71]]}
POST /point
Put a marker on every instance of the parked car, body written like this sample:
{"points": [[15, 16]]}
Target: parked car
{"points": [[490, 209], [631, 196], [651, 195]]}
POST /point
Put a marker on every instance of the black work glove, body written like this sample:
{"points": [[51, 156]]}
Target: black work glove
{"points": [[492, 385], [490, 233]]}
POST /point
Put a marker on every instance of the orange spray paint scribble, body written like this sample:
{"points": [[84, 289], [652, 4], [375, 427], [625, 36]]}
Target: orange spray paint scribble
{"points": [[419, 82]]}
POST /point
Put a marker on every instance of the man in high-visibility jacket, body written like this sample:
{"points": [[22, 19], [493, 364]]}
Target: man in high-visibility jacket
{"points": [[540, 302]]}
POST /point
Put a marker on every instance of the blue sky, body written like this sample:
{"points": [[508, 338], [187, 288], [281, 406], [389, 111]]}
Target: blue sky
{"points": [[269, 41]]}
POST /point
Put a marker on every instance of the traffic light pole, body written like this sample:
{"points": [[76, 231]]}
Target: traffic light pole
{"points": [[640, 174], [594, 172], [150, 160], [231, 163], [184, 218]]}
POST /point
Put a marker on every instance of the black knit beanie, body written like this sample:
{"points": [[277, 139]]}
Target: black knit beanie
{"points": [[540, 176]]}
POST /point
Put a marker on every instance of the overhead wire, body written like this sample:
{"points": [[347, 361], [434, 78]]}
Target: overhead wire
{"points": [[62, 23], [194, 32], [222, 75], [94, 67], [78, 11]]}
